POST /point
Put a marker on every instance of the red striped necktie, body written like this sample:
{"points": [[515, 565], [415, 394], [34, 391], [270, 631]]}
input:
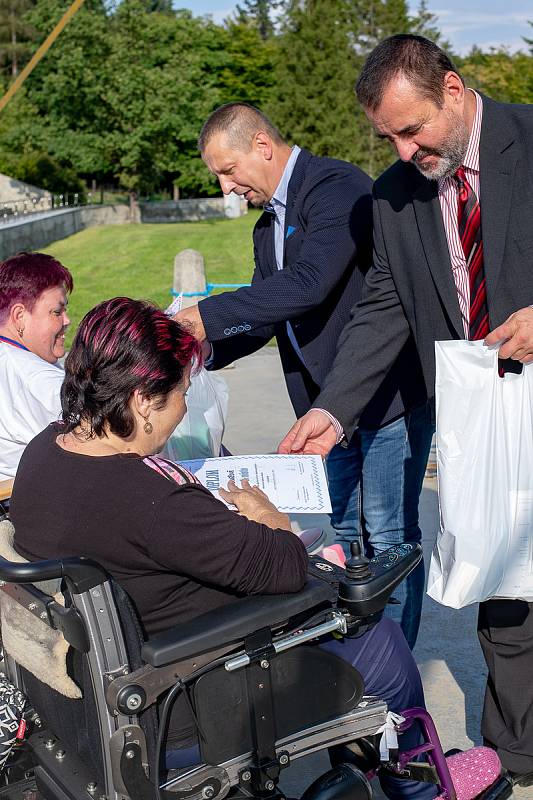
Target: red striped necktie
{"points": [[469, 223]]}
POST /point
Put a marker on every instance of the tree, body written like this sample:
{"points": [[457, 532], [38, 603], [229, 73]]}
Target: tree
{"points": [[247, 66], [163, 6], [43, 171], [424, 23], [16, 33], [123, 93], [504, 76], [529, 41], [159, 86], [321, 49], [315, 69], [370, 22], [259, 13], [65, 88]]}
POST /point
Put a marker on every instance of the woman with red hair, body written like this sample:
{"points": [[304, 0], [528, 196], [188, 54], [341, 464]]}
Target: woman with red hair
{"points": [[33, 319]]}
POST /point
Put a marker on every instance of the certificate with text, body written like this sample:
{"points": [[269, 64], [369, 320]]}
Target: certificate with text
{"points": [[295, 484]]}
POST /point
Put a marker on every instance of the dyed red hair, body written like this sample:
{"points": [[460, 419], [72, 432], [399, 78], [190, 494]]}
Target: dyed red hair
{"points": [[122, 345], [24, 277]]}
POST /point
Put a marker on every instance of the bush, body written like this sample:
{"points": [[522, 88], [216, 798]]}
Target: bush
{"points": [[45, 172]]}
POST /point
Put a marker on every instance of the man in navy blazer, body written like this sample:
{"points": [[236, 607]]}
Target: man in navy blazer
{"points": [[312, 246]]}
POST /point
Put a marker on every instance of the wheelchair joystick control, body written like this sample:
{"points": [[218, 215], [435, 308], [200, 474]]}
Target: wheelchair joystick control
{"points": [[357, 566], [368, 584]]}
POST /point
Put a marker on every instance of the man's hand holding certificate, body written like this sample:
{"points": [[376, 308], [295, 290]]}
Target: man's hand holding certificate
{"points": [[295, 484]]}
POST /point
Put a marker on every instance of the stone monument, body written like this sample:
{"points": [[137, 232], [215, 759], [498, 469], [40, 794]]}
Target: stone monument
{"points": [[189, 276]]}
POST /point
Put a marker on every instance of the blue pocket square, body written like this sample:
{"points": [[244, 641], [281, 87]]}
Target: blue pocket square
{"points": [[290, 231]]}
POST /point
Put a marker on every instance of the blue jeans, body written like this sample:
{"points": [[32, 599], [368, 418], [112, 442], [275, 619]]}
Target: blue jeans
{"points": [[375, 485]]}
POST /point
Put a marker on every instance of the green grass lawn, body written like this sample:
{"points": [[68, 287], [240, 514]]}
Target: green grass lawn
{"points": [[138, 260]]}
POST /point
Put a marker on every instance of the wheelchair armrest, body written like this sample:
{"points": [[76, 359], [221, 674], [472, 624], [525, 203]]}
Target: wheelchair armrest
{"points": [[82, 573], [233, 623]]}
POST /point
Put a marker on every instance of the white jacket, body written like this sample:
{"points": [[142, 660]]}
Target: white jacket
{"points": [[29, 401]]}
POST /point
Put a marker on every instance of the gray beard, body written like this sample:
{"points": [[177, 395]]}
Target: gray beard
{"points": [[451, 155]]}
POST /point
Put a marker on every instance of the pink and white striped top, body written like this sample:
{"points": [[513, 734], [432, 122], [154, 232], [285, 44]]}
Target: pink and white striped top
{"points": [[448, 197]]}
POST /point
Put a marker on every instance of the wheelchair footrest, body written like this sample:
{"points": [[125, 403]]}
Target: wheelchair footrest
{"points": [[415, 771], [364, 720]]}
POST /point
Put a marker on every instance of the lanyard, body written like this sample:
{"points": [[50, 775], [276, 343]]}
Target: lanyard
{"points": [[12, 342]]}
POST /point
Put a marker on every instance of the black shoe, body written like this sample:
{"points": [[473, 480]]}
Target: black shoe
{"points": [[521, 778]]}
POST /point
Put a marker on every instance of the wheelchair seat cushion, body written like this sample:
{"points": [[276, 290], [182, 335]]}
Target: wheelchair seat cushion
{"points": [[473, 771]]}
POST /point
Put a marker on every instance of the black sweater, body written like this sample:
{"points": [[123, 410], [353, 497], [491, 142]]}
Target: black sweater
{"points": [[176, 550]]}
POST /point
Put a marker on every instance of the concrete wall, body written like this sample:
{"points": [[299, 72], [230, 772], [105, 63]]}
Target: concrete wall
{"points": [[193, 210], [182, 210], [39, 230]]}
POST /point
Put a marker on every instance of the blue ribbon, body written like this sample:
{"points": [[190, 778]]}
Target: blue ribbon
{"points": [[209, 288]]}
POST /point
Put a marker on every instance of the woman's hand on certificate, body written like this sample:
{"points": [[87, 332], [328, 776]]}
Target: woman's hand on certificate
{"points": [[253, 503]]}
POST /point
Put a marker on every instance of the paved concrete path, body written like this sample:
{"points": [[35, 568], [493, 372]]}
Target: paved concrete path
{"points": [[447, 651]]}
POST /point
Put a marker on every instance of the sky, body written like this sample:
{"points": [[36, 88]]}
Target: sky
{"points": [[487, 23]]}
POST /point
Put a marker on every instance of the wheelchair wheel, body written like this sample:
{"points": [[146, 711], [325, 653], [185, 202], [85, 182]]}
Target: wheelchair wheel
{"points": [[362, 753]]}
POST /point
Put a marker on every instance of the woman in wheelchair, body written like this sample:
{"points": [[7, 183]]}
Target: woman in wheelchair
{"points": [[92, 485], [33, 320]]}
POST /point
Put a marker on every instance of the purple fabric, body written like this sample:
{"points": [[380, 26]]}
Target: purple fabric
{"points": [[388, 668]]}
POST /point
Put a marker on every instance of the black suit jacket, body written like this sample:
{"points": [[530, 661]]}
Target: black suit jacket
{"points": [[328, 240], [410, 287]]}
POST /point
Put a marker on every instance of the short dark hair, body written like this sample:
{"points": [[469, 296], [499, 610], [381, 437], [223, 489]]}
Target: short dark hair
{"points": [[122, 345], [240, 122], [25, 276], [420, 60]]}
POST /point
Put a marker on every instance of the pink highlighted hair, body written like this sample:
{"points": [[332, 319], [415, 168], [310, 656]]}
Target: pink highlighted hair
{"points": [[24, 277], [123, 345]]}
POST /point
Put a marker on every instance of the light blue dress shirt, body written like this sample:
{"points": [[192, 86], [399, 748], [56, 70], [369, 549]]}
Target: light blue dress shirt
{"points": [[278, 207]]}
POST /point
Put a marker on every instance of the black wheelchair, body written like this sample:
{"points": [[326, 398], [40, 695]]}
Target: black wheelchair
{"points": [[261, 695]]}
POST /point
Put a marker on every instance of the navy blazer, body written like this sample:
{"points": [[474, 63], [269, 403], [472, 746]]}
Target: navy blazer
{"points": [[328, 241], [410, 290]]}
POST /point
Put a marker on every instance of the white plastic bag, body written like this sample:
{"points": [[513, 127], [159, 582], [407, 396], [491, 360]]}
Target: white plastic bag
{"points": [[199, 434], [485, 475]]}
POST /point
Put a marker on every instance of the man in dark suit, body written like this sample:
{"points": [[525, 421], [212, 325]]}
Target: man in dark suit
{"points": [[460, 195], [312, 246]]}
